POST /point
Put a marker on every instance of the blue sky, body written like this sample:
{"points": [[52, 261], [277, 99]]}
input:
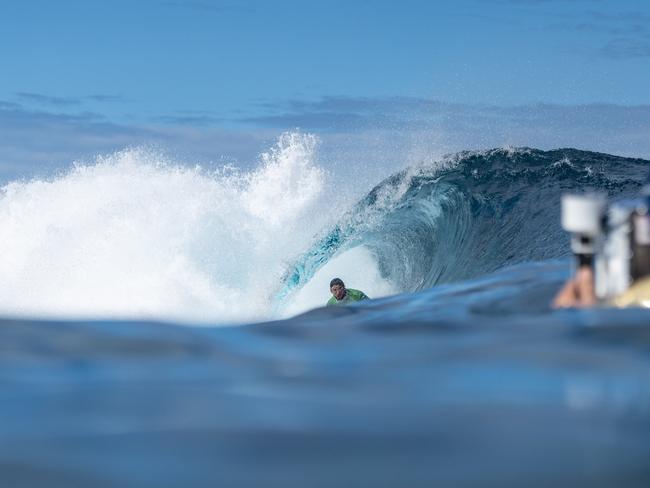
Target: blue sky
{"points": [[215, 78]]}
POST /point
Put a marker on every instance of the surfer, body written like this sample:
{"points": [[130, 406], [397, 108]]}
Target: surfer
{"points": [[612, 247], [342, 295], [579, 292]]}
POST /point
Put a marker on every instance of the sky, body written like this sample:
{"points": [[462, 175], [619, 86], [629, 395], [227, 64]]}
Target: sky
{"points": [[211, 80]]}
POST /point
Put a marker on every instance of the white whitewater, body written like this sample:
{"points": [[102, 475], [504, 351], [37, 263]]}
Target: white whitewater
{"points": [[134, 235]]}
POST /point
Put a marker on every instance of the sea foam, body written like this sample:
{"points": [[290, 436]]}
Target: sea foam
{"points": [[135, 235]]}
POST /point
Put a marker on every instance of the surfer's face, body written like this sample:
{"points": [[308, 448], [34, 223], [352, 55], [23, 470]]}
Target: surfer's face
{"points": [[338, 291]]}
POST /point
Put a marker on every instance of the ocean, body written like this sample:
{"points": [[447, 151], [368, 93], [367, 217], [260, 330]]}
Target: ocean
{"points": [[163, 326]]}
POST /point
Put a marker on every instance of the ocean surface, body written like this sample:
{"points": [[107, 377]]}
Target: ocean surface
{"points": [[161, 327]]}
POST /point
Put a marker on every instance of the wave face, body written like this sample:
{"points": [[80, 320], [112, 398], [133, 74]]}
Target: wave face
{"points": [[470, 214]]}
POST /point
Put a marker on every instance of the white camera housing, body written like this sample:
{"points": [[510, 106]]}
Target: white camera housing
{"points": [[582, 216]]}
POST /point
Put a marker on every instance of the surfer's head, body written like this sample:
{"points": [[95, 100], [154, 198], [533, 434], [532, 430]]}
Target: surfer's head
{"points": [[337, 287]]}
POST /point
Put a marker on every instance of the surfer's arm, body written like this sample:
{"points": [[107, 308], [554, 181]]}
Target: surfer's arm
{"points": [[578, 291]]}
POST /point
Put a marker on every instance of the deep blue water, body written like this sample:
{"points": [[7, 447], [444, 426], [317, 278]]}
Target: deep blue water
{"points": [[468, 378]]}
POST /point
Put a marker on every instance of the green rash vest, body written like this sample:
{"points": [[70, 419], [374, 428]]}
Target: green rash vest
{"points": [[351, 295]]}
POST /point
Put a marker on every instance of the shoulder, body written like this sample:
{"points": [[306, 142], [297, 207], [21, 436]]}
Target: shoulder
{"points": [[331, 301], [358, 294]]}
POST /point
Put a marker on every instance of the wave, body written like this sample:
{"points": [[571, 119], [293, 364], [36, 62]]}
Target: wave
{"points": [[464, 216], [136, 235]]}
